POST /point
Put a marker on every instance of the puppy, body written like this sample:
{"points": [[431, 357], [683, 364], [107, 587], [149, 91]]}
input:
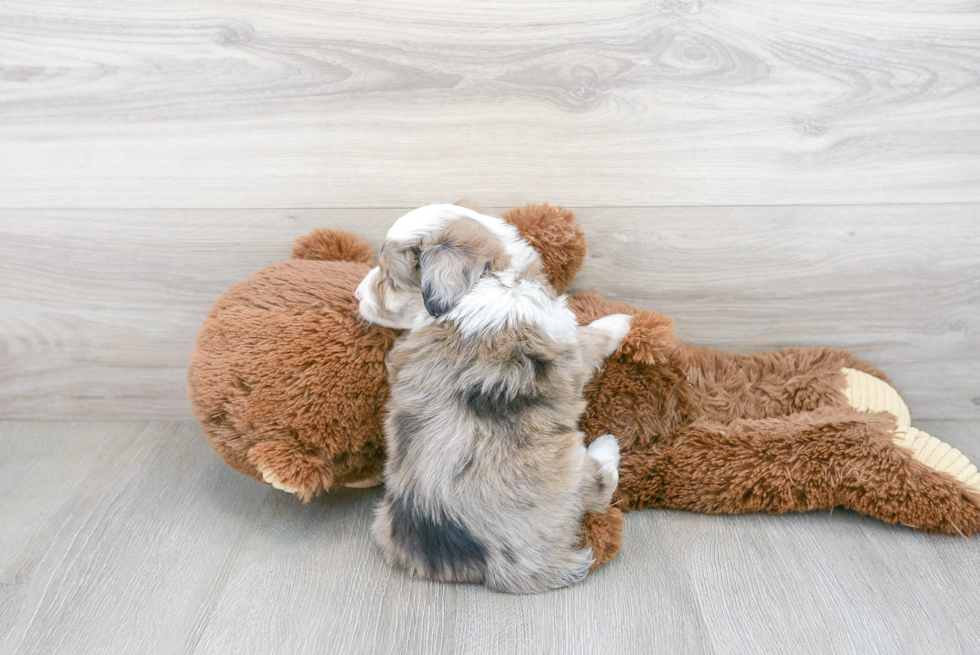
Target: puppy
{"points": [[487, 476]]}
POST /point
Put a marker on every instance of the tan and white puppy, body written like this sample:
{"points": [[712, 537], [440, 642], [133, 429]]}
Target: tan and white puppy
{"points": [[487, 476]]}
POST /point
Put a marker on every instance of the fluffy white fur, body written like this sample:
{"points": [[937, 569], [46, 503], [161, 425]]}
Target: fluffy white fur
{"points": [[501, 301], [431, 218], [605, 450], [404, 310]]}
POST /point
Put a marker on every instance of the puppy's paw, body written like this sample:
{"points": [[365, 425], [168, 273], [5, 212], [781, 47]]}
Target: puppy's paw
{"points": [[617, 326], [605, 450]]}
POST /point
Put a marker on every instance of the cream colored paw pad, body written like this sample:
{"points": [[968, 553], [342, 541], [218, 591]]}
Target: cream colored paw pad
{"points": [[938, 455], [867, 393], [366, 483], [275, 482]]}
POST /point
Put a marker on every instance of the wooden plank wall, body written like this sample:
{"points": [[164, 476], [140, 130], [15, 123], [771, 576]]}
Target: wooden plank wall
{"points": [[769, 174]]}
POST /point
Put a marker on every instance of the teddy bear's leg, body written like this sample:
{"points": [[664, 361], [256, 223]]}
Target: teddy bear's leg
{"points": [[289, 466], [808, 461], [867, 393], [726, 387]]}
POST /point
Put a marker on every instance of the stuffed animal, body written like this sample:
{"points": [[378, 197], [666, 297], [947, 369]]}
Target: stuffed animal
{"points": [[289, 386]]}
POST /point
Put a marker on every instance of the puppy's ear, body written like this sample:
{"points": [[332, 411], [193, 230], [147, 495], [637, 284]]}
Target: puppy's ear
{"points": [[453, 261], [401, 260], [449, 271]]}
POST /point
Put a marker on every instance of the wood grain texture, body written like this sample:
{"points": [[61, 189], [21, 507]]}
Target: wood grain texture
{"points": [[138, 550], [134, 537], [341, 597], [899, 286], [328, 103], [99, 309], [38, 482]]}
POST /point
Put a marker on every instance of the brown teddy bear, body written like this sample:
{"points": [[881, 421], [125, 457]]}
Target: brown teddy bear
{"points": [[289, 386]]}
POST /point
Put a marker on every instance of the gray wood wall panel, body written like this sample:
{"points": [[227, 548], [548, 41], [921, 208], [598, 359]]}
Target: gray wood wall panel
{"points": [[262, 103], [139, 539], [899, 286], [99, 309]]}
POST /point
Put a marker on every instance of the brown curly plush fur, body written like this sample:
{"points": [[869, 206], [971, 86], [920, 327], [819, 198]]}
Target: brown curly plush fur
{"points": [[555, 234], [604, 534], [333, 246], [717, 433], [285, 378]]}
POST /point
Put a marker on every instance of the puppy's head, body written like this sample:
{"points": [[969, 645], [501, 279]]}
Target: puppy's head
{"points": [[424, 268], [454, 259]]}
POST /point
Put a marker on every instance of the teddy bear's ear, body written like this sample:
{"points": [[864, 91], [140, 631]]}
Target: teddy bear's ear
{"points": [[333, 246], [554, 232]]}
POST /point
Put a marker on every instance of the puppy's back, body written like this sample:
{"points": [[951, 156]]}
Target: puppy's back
{"points": [[484, 460]]}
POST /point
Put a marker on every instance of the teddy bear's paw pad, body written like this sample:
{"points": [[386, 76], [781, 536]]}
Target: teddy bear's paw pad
{"points": [[270, 478], [366, 483], [938, 455], [867, 393]]}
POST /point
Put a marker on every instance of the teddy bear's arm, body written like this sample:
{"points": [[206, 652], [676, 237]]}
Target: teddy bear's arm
{"points": [[603, 533]]}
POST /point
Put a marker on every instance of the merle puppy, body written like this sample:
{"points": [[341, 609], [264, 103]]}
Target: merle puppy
{"points": [[487, 476]]}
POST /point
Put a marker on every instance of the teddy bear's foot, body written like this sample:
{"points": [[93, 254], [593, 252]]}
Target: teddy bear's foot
{"points": [[288, 466], [366, 483], [938, 455], [867, 393], [269, 477], [830, 457]]}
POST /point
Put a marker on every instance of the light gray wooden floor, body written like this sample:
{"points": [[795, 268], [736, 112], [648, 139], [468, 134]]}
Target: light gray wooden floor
{"points": [[132, 537]]}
